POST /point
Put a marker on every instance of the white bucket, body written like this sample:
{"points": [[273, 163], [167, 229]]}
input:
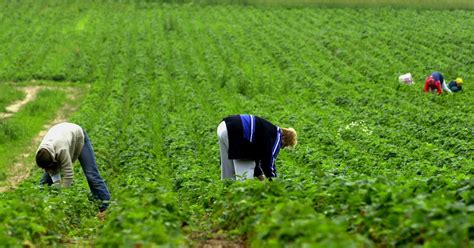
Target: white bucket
{"points": [[406, 79]]}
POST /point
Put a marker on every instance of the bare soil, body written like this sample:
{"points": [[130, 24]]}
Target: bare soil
{"points": [[203, 240], [220, 243]]}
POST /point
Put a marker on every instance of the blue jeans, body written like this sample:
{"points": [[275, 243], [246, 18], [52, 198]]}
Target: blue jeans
{"points": [[89, 166], [438, 76]]}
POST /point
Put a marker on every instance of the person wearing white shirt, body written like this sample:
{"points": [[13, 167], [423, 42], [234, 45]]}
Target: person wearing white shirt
{"points": [[62, 145]]}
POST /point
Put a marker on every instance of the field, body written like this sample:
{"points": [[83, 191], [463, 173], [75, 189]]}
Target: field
{"points": [[412, 4], [8, 95], [378, 163]]}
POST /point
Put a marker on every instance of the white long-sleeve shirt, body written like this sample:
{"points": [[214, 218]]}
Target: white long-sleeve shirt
{"points": [[64, 141]]}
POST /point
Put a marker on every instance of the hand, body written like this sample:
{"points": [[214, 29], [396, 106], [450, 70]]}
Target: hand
{"points": [[101, 215]]}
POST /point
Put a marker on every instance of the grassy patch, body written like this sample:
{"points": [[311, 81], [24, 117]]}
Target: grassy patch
{"points": [[9, 94], [18, 131], [411, 4], [421, 4], [379, 164]]}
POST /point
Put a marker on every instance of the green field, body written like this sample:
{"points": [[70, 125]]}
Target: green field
{"points": [[412, 4], [378, 163], [9, 95]]}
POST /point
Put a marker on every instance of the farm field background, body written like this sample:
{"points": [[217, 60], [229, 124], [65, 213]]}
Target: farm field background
{"points": [[413, 4], [9, 94], [378, 163]]}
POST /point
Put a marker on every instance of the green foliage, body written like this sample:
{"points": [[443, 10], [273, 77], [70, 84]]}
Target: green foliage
{"points": [[42, 215], [272, 216], [378, 163], [8, 95], [416, 4]]}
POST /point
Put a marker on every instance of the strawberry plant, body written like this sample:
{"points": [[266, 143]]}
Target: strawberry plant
{"points": [[378, 163]]}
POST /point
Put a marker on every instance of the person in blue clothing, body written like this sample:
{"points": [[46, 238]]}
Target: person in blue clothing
{"points": [[456, 85], [249, 146]]}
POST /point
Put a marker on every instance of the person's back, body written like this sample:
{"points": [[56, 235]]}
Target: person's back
{"points": [[437, 76], [432, 84], [456, 85], [65, 135]]}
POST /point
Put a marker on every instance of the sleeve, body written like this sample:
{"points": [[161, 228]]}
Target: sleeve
{"points": [[258, 169], [445, 87], [426, 86], [268, 168], [268, 162], [438, 88], [64, 158]]}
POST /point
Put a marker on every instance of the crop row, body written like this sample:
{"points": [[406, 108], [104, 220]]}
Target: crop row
{"points": [[378, 163]]}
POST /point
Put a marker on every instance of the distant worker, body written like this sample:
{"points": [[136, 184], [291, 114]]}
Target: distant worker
{"points": [[456, 85], [61, 146], [249, 146], [435, 81]]}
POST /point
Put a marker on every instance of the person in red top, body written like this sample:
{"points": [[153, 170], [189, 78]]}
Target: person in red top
{"points": [[435, 81]]}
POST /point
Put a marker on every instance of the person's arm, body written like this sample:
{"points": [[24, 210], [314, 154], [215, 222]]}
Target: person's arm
{"points": [[445, 87], [427, 86], [65, 163], [438, 88], [258, 170], [268, 168], [268, 163], [55, 174]]}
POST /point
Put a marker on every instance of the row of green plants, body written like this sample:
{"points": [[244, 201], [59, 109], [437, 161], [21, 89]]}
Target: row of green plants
{"points": [[411, 4], [378, 163], [339, 166], [417, 4]]}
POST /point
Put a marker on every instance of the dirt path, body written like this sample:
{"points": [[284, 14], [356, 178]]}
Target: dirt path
{"points": [[220, 243], [30, 91], [213, 240], [20, 170]]}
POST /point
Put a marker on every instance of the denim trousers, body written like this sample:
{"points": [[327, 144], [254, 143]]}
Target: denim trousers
{"points": [[88, 163]]}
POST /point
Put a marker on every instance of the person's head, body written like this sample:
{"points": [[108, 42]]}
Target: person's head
{"points": [[288, 138], [459, 81], [44, 159]]}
